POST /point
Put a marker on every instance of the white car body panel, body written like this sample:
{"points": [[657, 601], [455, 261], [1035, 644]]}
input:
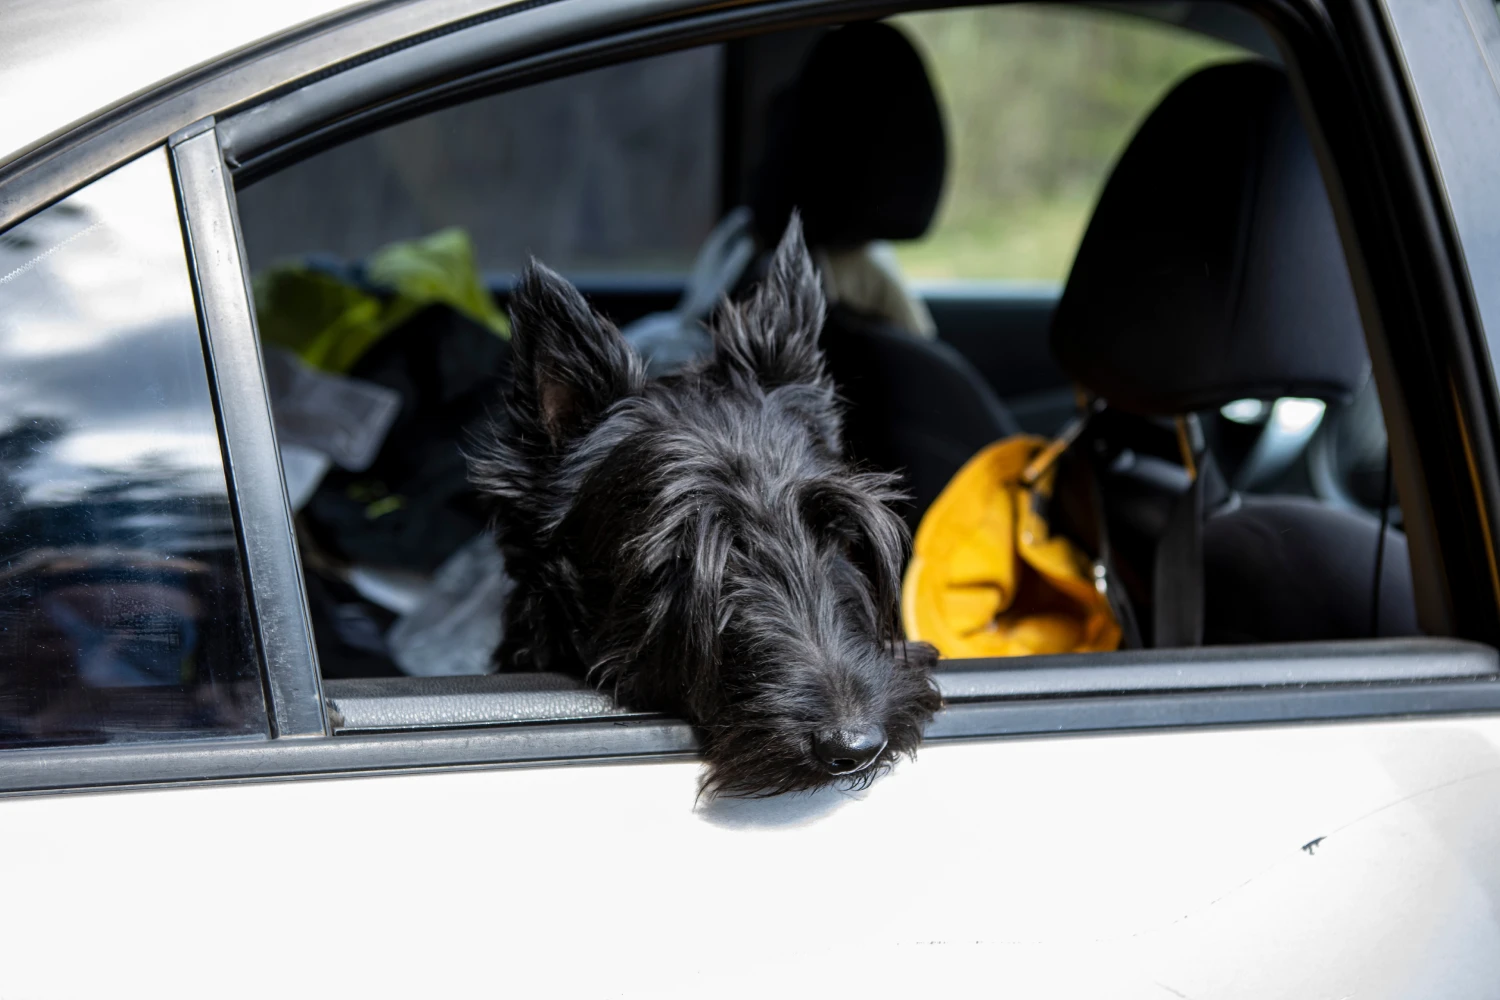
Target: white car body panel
{"points": [[46, 46], [1147, 865]]}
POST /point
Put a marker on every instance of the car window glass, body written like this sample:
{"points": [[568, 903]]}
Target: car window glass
{"points": [[1039, 103], [123, 611], [621, 155]]}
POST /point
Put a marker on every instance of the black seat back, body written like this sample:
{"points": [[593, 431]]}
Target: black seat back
{"points": [[1291, 569], [1212, 271], [857, 146], [916, 405]]}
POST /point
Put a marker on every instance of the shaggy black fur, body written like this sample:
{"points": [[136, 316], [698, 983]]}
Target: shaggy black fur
{"points": [[697, 544]]}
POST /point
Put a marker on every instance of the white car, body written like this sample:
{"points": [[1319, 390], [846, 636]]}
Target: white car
{"points": [[192, 806]]}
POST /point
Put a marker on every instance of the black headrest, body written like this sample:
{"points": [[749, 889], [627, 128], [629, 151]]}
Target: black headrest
{"points": [[857, 144], [1212, 268]]}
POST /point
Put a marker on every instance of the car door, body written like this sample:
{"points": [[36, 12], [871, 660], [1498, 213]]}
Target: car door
{"points": [[190, 808]]}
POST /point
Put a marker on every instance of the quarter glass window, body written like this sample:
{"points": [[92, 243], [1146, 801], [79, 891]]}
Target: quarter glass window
{"points": [[123, 611]]}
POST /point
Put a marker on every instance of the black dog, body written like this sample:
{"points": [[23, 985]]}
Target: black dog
{"points": [[697, 543]]}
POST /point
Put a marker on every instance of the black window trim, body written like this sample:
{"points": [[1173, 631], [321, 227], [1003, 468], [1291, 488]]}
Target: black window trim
{"points": [[34, 177], [407, 704], [611, 32], [1445, 677], [252, 460], [1410, 277], [1452, 68]]}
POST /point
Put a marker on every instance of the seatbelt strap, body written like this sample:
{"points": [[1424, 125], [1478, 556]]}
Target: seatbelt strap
{"points": [[1105, 576], [1177, 584], [1106, 579]]}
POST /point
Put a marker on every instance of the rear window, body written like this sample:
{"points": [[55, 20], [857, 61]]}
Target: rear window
{"points": [[1040, 102]]}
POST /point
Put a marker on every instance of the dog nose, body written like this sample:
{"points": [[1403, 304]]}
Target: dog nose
{"points": [[845, 751]]}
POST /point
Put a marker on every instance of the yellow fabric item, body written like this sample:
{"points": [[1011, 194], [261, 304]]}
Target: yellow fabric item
{"points": [[987, 578]]}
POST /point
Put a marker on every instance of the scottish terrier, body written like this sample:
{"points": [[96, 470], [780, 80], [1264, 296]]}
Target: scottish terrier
{"points": [[697, 544]]}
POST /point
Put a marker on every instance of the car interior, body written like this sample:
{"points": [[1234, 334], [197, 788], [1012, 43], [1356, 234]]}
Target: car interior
{"points": [[1203, 365]]}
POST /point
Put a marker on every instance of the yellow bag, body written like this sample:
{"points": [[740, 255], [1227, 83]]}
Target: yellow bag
{"points": [[987, 577]]}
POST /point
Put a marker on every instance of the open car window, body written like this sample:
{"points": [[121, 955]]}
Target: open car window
{"points": [[404, 578]]}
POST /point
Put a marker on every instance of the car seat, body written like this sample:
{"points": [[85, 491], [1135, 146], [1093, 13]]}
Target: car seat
{"points": [[857, 146], [830, 134], [1212, 271]]}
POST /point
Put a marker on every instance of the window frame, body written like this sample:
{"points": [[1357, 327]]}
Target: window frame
{"points": [[350, 74], [252, 460], [1436, 72], [983, 703]]}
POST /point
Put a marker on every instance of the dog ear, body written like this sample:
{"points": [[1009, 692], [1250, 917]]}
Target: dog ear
{"points": [[570, 364], [774, 337]]}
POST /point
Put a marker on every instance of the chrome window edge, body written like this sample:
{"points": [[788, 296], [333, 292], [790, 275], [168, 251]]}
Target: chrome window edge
{"points": [[252, 460], [1442, 677]]}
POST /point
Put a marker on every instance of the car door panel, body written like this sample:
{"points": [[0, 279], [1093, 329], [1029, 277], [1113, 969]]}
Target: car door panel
{"points": [[1230, 863]]}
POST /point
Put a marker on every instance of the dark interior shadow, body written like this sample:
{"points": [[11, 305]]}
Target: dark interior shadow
{"points": [[793, 809]]}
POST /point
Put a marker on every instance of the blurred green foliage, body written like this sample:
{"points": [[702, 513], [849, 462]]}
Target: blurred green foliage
{"points": [[1039, 103]]}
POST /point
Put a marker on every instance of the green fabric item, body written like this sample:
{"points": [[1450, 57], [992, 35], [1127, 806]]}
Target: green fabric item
{"points": [[330, 324], [438, 268], [327, 323]]}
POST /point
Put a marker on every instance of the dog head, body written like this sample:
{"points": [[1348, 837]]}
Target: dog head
{"points": [[698, 542]]}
